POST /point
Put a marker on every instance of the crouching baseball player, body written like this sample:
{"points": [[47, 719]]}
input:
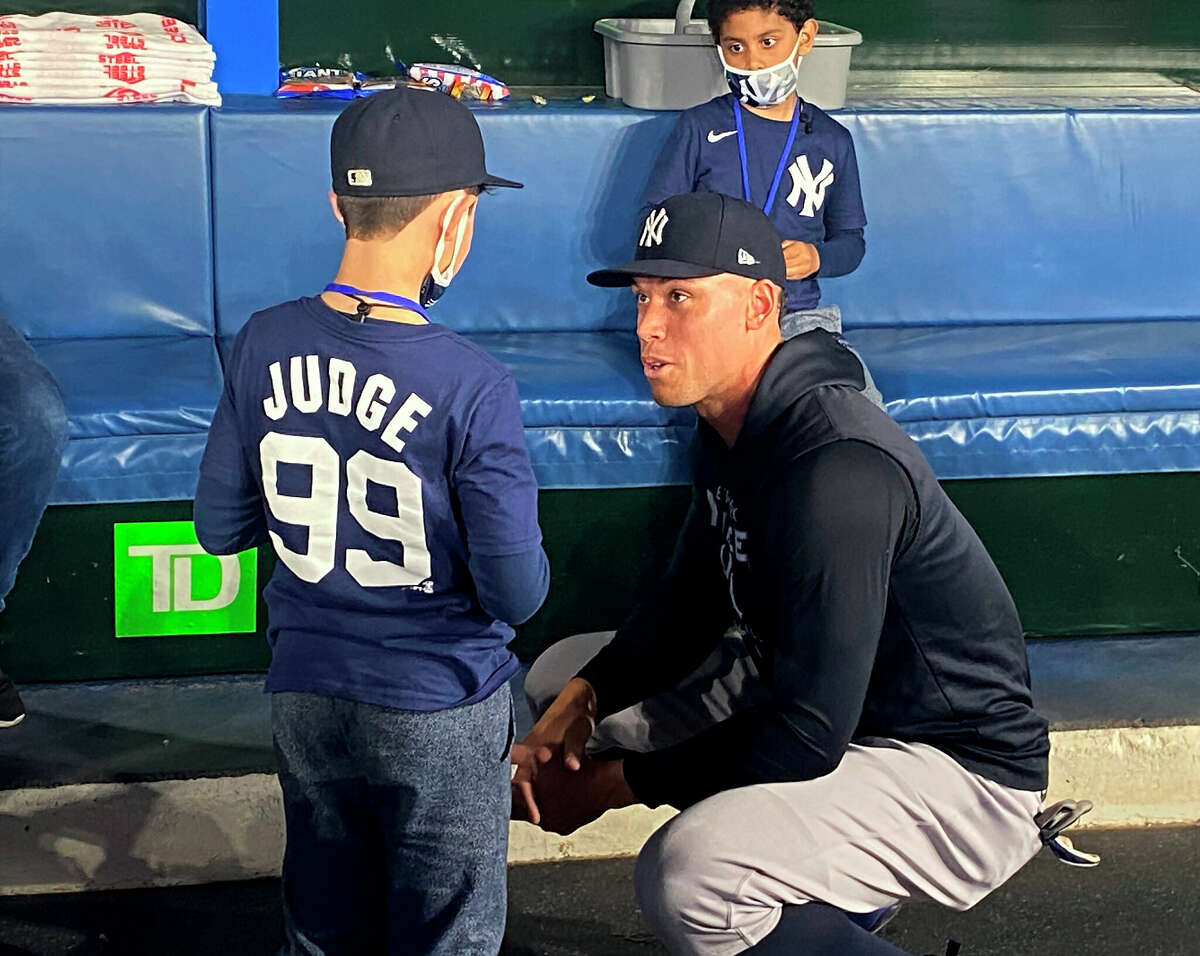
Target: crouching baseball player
{"points": [[830, 681]]}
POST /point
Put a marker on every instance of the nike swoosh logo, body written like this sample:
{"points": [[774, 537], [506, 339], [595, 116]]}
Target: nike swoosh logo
{"points": [[715, 137]]}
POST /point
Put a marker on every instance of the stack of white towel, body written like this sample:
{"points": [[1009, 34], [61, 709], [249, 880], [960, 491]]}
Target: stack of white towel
{"points": [[136, 58]]}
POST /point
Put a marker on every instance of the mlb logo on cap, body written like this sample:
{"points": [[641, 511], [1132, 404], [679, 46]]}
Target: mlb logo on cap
{"points": [[359, 177]]}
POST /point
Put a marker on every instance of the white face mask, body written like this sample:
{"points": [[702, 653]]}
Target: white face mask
{"points": [[439, 280], [769, 86]]}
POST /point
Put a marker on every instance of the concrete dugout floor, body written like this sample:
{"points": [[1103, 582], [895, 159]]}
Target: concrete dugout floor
{"points": [[1143, 900], [126, 731]]}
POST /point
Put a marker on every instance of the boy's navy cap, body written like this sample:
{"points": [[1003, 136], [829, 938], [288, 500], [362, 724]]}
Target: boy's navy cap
{"points": [[408, 141], [702, 234]]}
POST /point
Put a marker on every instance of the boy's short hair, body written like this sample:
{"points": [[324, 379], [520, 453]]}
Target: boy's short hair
{"points": [[382, 217], [794, 11], [379, 217]]}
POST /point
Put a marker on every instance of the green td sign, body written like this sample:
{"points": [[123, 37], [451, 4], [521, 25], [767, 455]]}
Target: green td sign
{"points": [[166, 584]]}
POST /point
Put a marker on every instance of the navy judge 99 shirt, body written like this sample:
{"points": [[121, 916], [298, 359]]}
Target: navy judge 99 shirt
{"points": [[382, 461]]}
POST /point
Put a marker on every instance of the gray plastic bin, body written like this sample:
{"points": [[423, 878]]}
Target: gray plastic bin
{"points": [[665, 64]]}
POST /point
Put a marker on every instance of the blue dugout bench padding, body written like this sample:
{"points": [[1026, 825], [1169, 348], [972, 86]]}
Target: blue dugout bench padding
{"points": [[108, 271], [1052, 398], [1028, 303]]}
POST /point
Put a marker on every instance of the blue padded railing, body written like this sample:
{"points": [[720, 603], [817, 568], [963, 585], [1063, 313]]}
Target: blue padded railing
{"points": [[1025, 303]]}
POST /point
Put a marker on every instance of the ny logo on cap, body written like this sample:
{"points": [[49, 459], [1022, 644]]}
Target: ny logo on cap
{"points": [[359, 177], [652, 233]]}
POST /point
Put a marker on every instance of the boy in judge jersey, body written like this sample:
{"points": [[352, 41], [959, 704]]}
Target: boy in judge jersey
{"points": [[383, 458]]}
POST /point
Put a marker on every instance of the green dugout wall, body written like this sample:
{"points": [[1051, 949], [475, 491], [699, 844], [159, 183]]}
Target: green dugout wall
{"points": [[1083, 556], [550, 42]]}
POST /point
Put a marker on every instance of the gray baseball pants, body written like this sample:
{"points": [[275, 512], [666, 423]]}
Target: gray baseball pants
{"points": [[895, 821]]}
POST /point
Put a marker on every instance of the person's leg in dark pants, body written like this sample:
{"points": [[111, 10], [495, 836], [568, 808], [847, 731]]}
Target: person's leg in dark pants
{"points": [[33, 434], [440, 789], [333, 873], [815, 929]]}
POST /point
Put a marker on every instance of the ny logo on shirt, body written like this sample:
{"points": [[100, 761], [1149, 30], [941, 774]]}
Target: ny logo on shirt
{"points": [[813, 188], [652, 233], [724, 518]]}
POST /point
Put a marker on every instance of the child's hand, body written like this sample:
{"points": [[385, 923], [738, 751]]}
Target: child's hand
{"points": [[801, 258]]}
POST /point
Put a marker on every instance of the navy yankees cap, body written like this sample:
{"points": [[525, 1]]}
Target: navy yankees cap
{"points": [[409, 141], [702, 234]]}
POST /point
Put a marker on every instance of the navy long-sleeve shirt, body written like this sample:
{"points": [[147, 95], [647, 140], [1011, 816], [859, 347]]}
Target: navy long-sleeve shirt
{"points": [[386, 464]]}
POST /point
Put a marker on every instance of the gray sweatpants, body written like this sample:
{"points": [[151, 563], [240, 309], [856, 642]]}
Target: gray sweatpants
{"points": [[895, 821]]}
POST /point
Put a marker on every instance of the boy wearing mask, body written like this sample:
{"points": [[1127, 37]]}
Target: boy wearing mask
{"points": [[762, 143]]}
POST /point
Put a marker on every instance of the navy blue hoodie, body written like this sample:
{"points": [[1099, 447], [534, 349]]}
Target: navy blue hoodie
{"points": [[868, 602]]}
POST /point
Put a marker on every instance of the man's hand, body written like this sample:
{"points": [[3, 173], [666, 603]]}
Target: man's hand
{"points": [[801, 258], [560, 737], [570, 799]]}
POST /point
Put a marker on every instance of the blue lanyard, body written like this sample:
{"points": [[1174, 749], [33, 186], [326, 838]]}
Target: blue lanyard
{"points": [[787, 152], [387, 297]]}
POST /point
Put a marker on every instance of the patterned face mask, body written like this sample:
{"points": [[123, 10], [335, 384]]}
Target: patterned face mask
{"points": [[769, 86]]}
